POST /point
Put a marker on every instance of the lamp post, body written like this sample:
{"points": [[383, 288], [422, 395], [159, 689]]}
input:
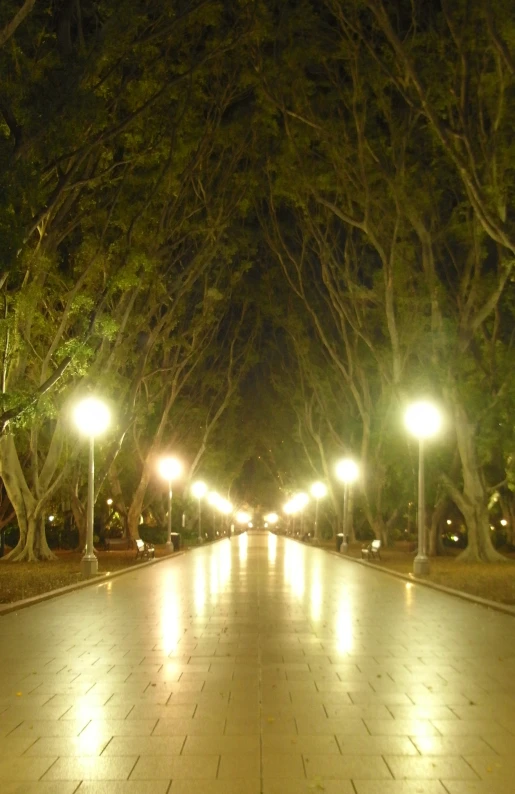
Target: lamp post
{"points": [[214, 500], [347, 471], [199, 490], [300, 501], [170, 469], [423, 420], [318, 491], [91, 417]]}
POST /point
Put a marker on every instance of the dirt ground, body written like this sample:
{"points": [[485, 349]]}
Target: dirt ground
{"points": [[493, 582]]}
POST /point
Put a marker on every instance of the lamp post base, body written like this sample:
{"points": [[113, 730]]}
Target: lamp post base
{"points": [[169, 545], [421, 565], [89, 567], [344, 547]]}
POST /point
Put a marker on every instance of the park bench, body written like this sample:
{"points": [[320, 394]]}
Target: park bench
{"points": [[144, 550], [372, 551]]}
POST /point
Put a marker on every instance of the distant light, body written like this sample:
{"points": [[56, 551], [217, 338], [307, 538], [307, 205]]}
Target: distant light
{"points": [[504, 523], [224, 506], [266, 525], [300, 501], [318, 490], [455, 538], [199, 489], [272, 518], [51, 518], [449, 521], [213, 498], [250, 525], [242, 517], [423, 419], [109, 501], [347, 470], [170, 468]]}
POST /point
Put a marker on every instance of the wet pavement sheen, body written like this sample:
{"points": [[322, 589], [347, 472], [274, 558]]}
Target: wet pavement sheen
{"points": [[257, 665]]}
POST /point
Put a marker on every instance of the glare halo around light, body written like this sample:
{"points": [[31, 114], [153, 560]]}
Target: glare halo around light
{"points": [[423, 419], [242, 517], [318, 490], [170, 468], [199, 489], [91, 416], [346, 470]]}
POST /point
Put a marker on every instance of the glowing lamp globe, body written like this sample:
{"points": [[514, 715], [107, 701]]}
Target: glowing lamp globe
{"points": [[347, 471], [423, 419], [91, 416], [199, 489], [318, 490], [170, 468]]}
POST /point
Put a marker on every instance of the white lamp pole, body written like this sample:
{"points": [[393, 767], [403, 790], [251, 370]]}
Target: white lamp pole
{"points": [[170, 469], [423, 420], [199, 490], [318, 491], [91, 417], [347, 471], [300, 501]]}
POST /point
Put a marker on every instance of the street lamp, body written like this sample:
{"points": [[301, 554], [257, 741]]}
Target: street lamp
{"points": [[347, 471], [423, 420], [170, 469], [318, 491], [225, 508], [92, 417], [271, 518], [199, 490]]}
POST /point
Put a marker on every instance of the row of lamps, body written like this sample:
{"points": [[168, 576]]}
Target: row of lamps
{"points": [[423, 420], [92, 417]]}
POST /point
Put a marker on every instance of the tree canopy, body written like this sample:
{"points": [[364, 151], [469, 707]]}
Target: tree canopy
{"points": [[259, 229]]}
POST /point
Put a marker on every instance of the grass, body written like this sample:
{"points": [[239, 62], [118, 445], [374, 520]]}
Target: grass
{"points": [[21, 580], [494, 582]]}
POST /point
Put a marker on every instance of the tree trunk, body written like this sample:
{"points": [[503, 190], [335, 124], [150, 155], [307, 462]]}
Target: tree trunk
{"points": [[80, 518], [473, 500], [136, 505], [439, 511], [32, 545]]}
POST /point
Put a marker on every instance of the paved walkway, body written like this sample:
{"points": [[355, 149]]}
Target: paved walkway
{"points": [[257, 665]]}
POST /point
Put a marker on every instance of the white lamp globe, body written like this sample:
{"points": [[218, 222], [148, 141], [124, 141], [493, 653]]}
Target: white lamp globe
{"points": [[199, 489], [91, 416], [300, 501], [170, 468], [423, 419], [318, 490], [347, 470]]}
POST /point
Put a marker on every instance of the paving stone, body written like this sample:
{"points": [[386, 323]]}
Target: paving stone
{"points": [[219, 672]]}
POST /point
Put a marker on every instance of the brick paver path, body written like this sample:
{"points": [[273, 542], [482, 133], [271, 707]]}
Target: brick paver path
{"points": [[257, 665]]}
